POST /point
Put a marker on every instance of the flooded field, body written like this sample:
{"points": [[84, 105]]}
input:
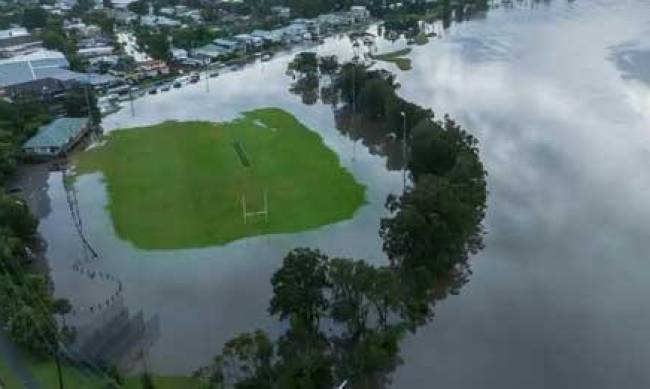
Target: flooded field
{"points": [[558, 95]]}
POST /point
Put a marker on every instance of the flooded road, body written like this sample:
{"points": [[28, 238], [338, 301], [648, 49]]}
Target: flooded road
{"points": [[558, 95]]}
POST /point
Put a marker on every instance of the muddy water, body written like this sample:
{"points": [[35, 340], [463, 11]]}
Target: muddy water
{"points": [[558, 96]]}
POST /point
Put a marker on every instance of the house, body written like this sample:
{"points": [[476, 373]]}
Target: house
{"points": [[158, 21], [336, 19], [360, 13], [43, 73], [273, 36], [153, 68], [296, 32], [18, 41], [229, 46], [92, 52], [25, 73], [193, 14], [179, 54], [208, 52], [249, 41], [281, 12], [56, 138], [167, 11], [80, 29], [124, 16], [122, 4]]}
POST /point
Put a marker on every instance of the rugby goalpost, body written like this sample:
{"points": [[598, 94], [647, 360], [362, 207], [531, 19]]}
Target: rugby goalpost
{"points": [[252, 214]]}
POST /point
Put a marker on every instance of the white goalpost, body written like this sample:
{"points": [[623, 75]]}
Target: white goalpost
{"points": [[251, 214]]}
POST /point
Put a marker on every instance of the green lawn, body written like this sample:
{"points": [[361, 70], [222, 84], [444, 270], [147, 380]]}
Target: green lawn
{"points": [[46, 374], [421, 39], [180, 184], [165, 383], [396, 57]]}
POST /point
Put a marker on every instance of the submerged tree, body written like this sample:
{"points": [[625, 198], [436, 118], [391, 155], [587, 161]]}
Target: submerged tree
{"points": [[346, 318]]}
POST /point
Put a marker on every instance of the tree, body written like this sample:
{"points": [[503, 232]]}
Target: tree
{"points": [[139, 7], [432, 151], [328, 65], [16, 218], [427, 237], [155, 43], [81, 7], [34, 17], [350, 283], [18, 121], [432, 229], [298, 288], [304, 63], [78, 100], [376, 97], [146, 381]]}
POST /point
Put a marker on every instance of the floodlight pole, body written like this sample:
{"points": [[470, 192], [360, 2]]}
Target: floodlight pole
{"points": [[354, 109]]}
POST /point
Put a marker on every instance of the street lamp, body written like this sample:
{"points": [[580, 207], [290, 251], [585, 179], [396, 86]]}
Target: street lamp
{"points": [[354, 109], [404, 152]]}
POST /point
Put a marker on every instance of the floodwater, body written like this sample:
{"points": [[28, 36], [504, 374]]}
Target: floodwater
{"points": [[558, 93]]}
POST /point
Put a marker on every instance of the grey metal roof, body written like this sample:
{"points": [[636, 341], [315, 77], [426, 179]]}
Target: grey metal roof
{"points": [[31, 67], [210, 50], [15, 73], [57, 134]]}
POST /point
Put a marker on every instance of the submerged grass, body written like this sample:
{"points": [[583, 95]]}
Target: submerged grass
{"points": [[396, 57], [46, 375], [181, 185]]}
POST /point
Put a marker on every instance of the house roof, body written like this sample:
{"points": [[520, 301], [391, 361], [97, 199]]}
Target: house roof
{"points": [[42, 65], [57, 134], [210, 50], [40, 58], [13, 32], [225, 42]]}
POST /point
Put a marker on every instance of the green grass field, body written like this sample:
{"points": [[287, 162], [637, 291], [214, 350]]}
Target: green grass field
{"points": [[180, 184], [46, 375], [396, 57]]}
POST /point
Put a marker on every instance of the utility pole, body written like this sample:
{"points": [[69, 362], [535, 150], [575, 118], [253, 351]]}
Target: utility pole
{"points": [[355, 46], [58, 369], [404, 157], [131, 101], [88, 83]]}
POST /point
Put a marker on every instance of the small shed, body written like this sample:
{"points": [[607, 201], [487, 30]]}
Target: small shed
{"points": [[56, 138]]}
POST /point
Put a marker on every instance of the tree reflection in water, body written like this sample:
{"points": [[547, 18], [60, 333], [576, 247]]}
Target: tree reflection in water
{"points": [[345, 318]]}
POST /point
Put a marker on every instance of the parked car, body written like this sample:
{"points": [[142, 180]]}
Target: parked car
{"points": [[153, 91], [194, 78], [165, 88], [214, 74], [266, 57], [177, 84]]}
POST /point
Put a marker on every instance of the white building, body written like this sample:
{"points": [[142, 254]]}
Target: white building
{"points": [[179, 54], [17, 41], [123, 4], [283, 12], [360, 13]]}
